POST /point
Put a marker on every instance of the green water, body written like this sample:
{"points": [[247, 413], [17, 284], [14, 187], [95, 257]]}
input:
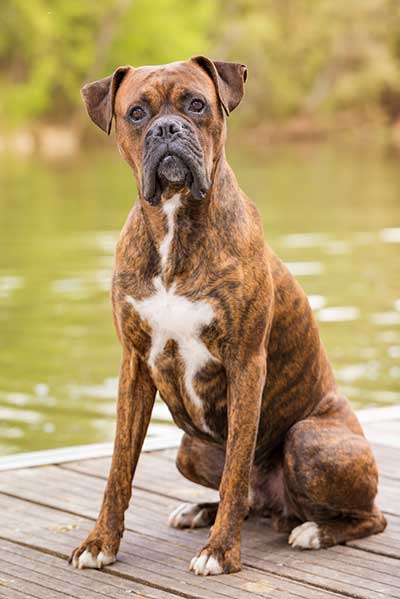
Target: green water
{"points": [[333, 214]]}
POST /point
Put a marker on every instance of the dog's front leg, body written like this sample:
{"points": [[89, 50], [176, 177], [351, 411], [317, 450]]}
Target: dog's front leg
{"points": [[222, 552], [135, 402]]}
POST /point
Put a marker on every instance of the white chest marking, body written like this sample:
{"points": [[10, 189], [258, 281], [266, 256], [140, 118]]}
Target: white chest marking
{"points": [[169, 209], [173, 316]]}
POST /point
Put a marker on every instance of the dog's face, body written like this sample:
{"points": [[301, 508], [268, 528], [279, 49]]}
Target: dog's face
{"points": [[170, 122]]}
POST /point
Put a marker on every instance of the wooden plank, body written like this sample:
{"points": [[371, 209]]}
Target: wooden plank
{"points": [[389, 496], [43, 575], [154, 473], [35, 484], [388, 459], [55, 575], [159, 437], [170, 482], [140, 552], [157, 544], [53, 485], [141, 558], [383, 414], [29, 588], [167, 454], [385, 433], [8, 593], [382, 425]]}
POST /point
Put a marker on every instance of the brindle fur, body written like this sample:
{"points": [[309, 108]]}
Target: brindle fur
{"points": [[279, 426]]}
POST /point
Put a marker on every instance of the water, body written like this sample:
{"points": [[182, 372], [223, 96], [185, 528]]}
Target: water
{"points": [[332, 214]]}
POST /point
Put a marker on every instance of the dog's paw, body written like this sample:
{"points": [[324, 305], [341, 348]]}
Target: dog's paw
{"points": [[91, 554], [188, 515], [210, 562], [306, 536], [205, 564]]}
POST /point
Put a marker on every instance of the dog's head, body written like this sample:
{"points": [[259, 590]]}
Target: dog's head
{"points": [[169, 119]]}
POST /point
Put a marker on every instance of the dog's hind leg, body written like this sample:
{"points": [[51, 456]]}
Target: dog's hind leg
{"points": [[202, 464], [311, 535], [331, 481]]}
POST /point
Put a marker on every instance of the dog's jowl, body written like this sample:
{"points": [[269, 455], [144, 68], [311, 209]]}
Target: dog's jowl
{"points": [[209, 316]]}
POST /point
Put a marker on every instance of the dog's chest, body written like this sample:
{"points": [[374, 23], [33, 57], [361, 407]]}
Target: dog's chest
{"points": [[175, 317], [172, 316]]}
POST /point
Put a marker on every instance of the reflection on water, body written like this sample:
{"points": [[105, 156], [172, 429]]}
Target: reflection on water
{"points": [[338, 314], [332, 214]]}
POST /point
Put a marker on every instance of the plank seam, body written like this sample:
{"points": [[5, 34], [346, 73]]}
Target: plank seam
{"points": [[25, 595], [38, 584], [382, 552], [34, 459], [314, 585], [104, 478], [79, 586]]}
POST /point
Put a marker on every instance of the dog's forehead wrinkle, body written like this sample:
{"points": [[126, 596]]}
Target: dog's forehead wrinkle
{"points": [[157, 86], [166, 79], [151, 68]]}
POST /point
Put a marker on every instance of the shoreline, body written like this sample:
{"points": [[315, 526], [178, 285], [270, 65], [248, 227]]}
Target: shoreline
{"points": [[56, 142], [165, 436]]}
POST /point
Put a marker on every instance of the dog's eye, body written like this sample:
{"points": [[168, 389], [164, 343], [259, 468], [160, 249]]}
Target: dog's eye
{"points": [[136, 114], [196, 105]]}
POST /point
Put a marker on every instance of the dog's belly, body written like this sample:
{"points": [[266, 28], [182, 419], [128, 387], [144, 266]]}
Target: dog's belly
{"points": [[181, 364], [266, 490]]}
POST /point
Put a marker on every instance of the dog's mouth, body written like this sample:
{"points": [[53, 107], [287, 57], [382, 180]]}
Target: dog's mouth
{"points": [[175, 168], [173, 173]]}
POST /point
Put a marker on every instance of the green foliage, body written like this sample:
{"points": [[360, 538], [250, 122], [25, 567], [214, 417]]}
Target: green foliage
{"points": [[303, 55], [49, 48], [162, 31], [45, 49], [314, 55]]}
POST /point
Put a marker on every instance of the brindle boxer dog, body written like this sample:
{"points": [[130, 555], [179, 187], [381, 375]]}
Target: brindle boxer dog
{"points": [[209, 316]]}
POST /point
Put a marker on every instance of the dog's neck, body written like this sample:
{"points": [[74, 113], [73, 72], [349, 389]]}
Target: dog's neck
{"points": [[181, 233], [189, 216]]}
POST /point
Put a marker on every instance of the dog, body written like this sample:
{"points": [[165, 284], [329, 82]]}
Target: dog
{"points": [[208, 316]]}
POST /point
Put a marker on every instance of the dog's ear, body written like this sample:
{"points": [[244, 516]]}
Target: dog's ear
{"points": [[99, 98], [228, 78]]}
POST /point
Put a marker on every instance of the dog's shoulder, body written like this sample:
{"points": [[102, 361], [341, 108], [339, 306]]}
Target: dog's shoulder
{"points": [[137, 260]]}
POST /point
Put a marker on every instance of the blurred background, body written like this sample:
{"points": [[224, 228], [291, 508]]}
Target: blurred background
{"points": [[316, 143]]}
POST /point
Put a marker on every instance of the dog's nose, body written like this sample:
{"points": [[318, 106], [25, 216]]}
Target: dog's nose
{"points": [[166, 128]]}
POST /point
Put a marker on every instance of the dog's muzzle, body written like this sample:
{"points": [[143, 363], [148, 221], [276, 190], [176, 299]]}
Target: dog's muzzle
{"points": [[173, 158]]}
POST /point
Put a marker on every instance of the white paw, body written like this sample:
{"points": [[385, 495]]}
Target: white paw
{"points": [[188, 515], [87, 560], [204, 565], [305, 536]]}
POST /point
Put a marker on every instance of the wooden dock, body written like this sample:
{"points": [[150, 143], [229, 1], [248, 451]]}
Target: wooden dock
{"points": [[45, 511]]}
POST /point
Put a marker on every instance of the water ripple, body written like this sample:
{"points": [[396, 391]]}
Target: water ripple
{"points": [[338, 314]]}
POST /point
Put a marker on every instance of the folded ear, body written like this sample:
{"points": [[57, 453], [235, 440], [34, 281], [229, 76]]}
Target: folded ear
{"points": [[99, 98], [229, 79]]}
